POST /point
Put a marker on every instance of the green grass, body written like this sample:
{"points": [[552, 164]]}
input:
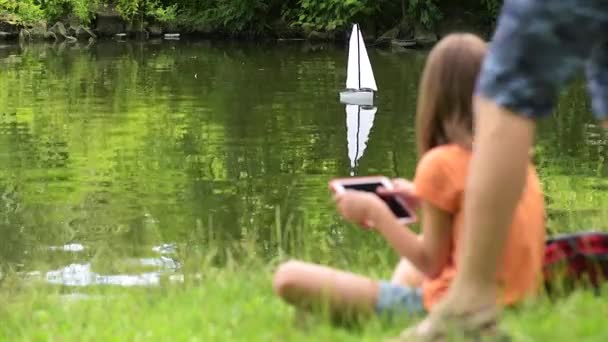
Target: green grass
{"points": [[236, 304], [227, 295]]}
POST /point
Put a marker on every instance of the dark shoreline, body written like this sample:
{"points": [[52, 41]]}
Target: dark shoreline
{"points": [[307, 45], [113, 28]]}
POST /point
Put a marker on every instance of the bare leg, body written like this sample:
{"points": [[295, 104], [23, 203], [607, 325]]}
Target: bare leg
{"points": [[605, 124], [307, 285], [495, 183], [406, 274]]}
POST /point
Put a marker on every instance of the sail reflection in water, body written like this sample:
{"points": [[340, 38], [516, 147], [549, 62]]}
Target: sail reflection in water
{"points": [[359, 122]]}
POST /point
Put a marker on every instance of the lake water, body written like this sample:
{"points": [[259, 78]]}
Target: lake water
{"points": [[120, 161]]}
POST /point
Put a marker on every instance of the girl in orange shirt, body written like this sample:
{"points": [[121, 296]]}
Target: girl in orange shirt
{"points": [[429, 261]]}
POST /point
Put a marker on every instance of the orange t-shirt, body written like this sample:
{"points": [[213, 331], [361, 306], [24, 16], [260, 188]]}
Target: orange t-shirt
{"points": [[440, 180]]}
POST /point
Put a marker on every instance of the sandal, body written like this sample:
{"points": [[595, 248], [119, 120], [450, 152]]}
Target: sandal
{"points": [[481, 325]]}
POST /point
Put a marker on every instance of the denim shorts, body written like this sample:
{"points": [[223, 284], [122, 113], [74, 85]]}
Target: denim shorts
{"points": [[396, 299], [538, 47]]}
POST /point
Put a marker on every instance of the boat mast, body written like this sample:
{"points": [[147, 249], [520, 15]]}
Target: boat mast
{"points": [[358, 57], [358, 133]]}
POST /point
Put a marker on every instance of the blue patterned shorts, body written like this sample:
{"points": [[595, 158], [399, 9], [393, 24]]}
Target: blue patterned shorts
{"points": [[538, 46], [395, 299]]}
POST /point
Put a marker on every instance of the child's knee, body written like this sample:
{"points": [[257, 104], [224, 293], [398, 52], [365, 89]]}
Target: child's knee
{"points": [[285, 278]]}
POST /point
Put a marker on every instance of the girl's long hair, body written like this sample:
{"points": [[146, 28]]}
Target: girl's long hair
{"points": [[444, 113]]}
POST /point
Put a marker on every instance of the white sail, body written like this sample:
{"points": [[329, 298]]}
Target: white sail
{"points": [[359, 122], [367, 80], [352, 76], [359, 70]]}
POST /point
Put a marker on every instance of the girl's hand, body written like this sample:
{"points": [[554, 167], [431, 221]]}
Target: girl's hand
{"points": [[363, 208], [403, 189]]}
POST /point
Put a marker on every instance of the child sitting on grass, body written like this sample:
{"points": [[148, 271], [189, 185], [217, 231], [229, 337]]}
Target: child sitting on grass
{"points": [[429, 262]]}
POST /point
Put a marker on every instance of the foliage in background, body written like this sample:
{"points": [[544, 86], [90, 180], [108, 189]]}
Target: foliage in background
{"points": [[492, 6], [426, 12], [327, 14], [149, 8], [81, 9], [253, 16], [227, 15], [25, 11]]}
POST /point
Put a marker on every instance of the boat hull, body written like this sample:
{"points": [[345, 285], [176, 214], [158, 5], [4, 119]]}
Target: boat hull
{"points": [[357, 97]]}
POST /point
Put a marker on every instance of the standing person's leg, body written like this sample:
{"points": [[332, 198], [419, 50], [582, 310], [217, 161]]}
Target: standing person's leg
{"points": [[537, 47], [500, 133]]}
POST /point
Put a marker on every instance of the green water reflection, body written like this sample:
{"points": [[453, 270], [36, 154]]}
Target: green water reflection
{"points": [[130, 155]]}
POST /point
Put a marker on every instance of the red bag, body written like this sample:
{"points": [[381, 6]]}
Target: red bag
{"points": [[576, 259]]}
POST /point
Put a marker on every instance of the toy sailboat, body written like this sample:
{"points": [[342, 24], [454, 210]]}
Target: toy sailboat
{"points": [[359, 122], [360, 82]]}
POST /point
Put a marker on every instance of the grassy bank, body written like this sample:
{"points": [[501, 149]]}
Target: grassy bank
{"points": [[237, 304], [226, 295]]}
